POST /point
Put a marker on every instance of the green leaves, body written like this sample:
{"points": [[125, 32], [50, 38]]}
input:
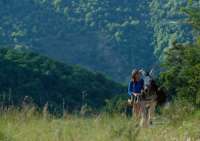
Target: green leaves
{"points": [[190, 1], [77, 30], [168, 22], [182, 63], [182, 75], [194, 17]]}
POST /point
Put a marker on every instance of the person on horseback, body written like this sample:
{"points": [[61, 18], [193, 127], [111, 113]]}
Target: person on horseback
{"points": [[135, 88]]}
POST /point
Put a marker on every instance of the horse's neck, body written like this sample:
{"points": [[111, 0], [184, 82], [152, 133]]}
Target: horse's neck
{"points": [[151, 95], [152, 92]]}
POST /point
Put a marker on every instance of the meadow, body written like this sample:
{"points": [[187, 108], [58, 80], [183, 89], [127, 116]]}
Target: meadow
{"points": [[79, 54], [29, 125]]}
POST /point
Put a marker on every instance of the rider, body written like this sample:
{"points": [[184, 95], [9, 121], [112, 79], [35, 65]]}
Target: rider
{"points": [[135, 88]]}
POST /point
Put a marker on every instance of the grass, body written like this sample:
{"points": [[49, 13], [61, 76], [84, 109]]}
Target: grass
{"points": [[28, 125]]}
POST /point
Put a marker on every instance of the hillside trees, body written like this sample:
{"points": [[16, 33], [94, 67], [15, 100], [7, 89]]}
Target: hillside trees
{"points": [[44, 80], [182, 64], [167, 20], [113, 33]]}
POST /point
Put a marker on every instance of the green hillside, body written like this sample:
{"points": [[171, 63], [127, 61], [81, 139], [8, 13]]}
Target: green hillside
{"points": [[28, 74], [169, 24], [108, 36]]}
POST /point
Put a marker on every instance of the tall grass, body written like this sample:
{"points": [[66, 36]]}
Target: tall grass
{"points": [[29, 125]]}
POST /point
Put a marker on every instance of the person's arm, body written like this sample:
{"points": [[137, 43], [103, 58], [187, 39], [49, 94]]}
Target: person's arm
{"points": [[130, 88]]}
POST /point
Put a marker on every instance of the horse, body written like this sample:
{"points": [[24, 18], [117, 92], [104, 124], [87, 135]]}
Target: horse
{"points": [[152, 96]]}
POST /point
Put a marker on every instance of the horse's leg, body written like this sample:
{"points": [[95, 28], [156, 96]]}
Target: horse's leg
{"points": [[151, 111], [133, 110], [138, 111], [143, 122], [147, 114]]}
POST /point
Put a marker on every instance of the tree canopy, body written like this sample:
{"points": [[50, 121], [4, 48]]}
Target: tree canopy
{"points": [[113, 33], [24, 73], [182, 65]]}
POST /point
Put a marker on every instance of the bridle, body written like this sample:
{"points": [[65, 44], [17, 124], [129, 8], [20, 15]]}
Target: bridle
{"points": [[149, 86]]}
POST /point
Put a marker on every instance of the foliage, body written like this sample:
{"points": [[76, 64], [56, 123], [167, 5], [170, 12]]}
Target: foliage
{"points": [[194, 17], [118, 36], [98, 34], [178, 111], [28, 74], [168, 22], [182, 64], [116, 105]]}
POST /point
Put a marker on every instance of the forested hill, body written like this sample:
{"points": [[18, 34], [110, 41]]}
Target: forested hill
{"points": [[105, 35], [169, 23], [44, 80]]}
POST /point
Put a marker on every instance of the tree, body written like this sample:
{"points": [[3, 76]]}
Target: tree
{"points": [[29, 74], [182, 66], [168, 24], [114, 34]]}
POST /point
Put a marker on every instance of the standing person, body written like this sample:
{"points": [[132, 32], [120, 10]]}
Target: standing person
{"points": [[135, 88]]}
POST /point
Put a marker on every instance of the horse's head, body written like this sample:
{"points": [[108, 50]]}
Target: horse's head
{"points": [[151, 88], [149, 83]]}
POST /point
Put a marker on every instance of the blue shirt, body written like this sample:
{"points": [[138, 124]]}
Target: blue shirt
{"points": [[135, 87]]}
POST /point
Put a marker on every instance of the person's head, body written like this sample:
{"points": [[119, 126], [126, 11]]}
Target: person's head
{"points": [[135, 76]]}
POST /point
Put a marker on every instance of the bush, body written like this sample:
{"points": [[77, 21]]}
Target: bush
{"points": [[116, 105], [178, 111], [182, 75]]}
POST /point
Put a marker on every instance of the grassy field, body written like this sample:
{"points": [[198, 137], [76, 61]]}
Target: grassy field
{"points": [[31, 126]]}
